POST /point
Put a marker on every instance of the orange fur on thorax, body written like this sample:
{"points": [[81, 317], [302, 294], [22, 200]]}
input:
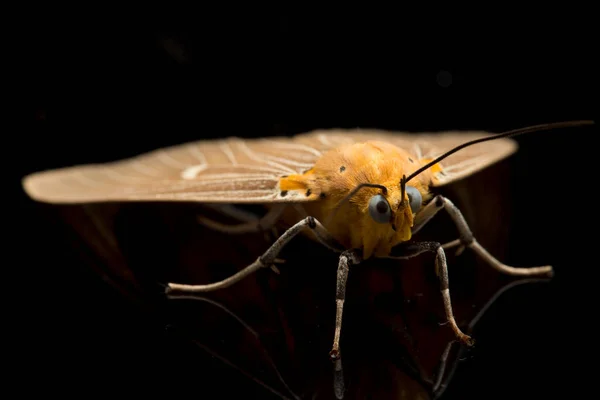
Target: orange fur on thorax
{"points": [[341, 170]]}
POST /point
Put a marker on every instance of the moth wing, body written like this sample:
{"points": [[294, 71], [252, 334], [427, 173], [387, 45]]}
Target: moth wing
{"points": [[426, 146], [466, 161], [231, 170], [236, 170]]}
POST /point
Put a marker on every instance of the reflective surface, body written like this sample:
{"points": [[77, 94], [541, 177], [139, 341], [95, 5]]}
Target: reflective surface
{"points": [[107, 91], [272, 333]]}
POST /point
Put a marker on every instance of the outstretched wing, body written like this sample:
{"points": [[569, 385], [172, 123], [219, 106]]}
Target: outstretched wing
{"points": [[427, 146], [235, 170]]}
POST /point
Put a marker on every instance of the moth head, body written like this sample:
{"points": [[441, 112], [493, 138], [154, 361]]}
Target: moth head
{"points": [[385, 207], [391, 215], [386, 215]]}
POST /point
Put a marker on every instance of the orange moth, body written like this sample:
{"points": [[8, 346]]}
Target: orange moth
{"points": [[362, 193]]}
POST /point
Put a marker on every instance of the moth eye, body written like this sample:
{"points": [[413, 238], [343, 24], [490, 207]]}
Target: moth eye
{"points": [[379, 209], [414, 198]]}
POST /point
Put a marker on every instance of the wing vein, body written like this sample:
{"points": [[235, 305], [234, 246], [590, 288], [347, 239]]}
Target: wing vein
{"points": [[252, 155], [169, 161], [295, 146], [226, 148]]}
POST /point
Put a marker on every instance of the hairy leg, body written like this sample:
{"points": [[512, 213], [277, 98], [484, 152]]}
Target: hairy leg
{"points": [[250, 224], [265, 260], [467, 240], [410, 250], [347, 258]]}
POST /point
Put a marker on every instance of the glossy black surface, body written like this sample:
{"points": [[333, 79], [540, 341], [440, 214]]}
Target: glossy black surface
{"points": [[104, 93]]}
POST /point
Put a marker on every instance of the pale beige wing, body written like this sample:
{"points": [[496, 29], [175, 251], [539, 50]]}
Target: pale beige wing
{"points": [[427, 146], [230, 170], [466, 161], [237, 170]]}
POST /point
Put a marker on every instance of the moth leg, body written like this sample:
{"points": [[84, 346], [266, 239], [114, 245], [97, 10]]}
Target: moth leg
{"points": [[264, 261], [256, 225], [410, 250], [233, 211], [347, 258], [467, 240]]}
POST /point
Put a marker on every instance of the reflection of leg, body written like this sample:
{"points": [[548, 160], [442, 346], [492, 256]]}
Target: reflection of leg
{"points": [[256, 335], [468, 240], [251, 225], [442, 367], [264, 261], [410, 250], [347, 258], [339, 387], [444, 378]]}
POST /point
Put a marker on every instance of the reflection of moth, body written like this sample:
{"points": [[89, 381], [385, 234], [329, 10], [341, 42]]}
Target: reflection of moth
{"points": [[391, 381], [363, 193]]}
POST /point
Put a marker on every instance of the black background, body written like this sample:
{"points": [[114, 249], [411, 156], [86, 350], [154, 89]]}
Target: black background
{"points": [[108, 87]]}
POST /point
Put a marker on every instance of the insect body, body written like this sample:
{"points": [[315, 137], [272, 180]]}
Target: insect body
{"points": [[380, 217], [362, 193]]}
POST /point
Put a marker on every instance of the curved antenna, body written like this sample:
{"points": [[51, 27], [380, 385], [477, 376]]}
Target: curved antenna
{"points": [[514, 132], [352, 193], [402, 188]]}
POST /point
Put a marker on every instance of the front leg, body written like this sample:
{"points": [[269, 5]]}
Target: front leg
{"points": [[266, 260], [413, 249], [347, 259], [466, 238]]}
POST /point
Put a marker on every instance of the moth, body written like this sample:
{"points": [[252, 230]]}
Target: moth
{"points": [[362, 193]]}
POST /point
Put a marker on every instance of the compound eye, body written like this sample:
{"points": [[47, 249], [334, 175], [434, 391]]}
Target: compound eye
{"points": [[379, 209], [414, 198]]}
